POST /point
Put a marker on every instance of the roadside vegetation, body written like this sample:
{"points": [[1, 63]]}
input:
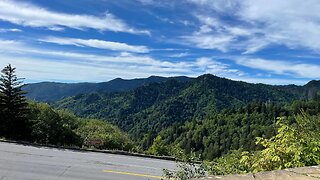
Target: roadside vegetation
{"points": [[39, 123], [295, 144]]}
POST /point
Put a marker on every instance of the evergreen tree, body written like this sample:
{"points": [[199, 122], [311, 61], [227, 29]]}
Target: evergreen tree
{"points": [[13, 106]]}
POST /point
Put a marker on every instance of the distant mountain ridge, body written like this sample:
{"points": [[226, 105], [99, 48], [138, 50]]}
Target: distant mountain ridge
{"points": [[52, 91]]}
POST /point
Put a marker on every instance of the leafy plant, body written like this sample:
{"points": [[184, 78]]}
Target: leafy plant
{"points": [[231, 163], [294, 145]]}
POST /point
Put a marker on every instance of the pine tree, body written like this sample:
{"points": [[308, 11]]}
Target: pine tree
{"points": [[13, 106]]}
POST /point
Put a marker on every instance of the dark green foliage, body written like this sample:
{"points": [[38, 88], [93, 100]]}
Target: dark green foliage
{"points": [[228, 130], [53, 127], [310, 107], [13, 106], [123, 109]]}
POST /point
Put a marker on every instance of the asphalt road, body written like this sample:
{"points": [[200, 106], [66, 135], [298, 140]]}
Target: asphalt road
{"points": [[29, 162]]}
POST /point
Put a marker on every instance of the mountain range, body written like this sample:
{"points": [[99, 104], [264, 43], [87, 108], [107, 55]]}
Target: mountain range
{"points": [[53, 91], [146, 105]]}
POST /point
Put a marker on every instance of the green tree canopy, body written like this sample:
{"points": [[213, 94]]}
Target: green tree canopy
{"points": [[13, 106]]}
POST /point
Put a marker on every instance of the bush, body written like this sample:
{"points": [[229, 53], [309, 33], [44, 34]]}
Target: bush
{"points": [[158, 148], [102, 135]]}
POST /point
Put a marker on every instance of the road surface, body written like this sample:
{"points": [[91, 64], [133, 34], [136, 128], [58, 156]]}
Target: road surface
{"points": [[29, 162]]}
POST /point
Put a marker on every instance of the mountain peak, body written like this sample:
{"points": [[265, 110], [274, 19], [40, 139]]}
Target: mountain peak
{"points": [[117, 79], [208, 76], [313, 83]]}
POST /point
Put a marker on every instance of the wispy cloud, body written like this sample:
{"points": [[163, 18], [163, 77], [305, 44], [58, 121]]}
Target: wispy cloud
{"points": [[179, 55], [193, 37], [162, 3], [48, 65], [256, 24], [206, 41], [295, 69], [124, 65], [96, 43], [19, 48], [27, 14], [4, 30], [213, 33]]}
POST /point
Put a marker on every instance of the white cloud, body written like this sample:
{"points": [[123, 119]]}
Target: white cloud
{"points": [[4, 30], [95, 43], [179, 55], [186, 22], [18, 48], [26, 14], [40, 69], [43, 64], [27, 57], [147, 2], [301, 70], [207, 41], [291, 22], [56, 29], [46, 65], [35, 70], [157, 3], [216, 34], [224, 6], [258, 24]]}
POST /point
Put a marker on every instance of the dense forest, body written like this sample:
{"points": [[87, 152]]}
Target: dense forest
{"points": [[218, 120], [236, 129]]}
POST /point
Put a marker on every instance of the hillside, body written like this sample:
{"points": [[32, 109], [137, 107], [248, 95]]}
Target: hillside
{"points": [[153, 107], [51, 91]]}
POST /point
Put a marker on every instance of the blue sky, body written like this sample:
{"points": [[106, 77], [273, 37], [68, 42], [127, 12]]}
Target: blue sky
{"points": [[259, 41]]}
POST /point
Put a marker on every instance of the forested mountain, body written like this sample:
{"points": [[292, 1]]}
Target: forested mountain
{"points": [[153, 107], [51, 91]]}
